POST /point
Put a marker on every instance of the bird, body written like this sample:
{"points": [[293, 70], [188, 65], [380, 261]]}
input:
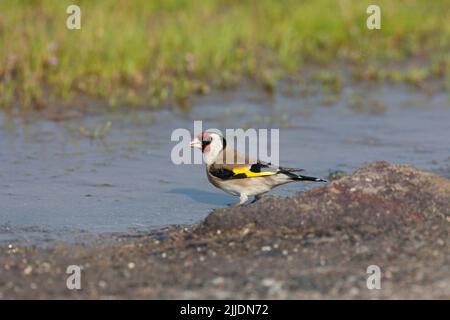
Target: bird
{"points": [[250, 178]]}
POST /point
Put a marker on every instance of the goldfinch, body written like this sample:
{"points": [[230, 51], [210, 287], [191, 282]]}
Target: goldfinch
{"points": [[252, 178]]}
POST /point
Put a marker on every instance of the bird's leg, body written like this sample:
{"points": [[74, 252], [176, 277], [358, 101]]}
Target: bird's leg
{"points": [[257, 197], [242, 199]]}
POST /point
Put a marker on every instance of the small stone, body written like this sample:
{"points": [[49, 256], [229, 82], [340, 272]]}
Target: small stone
{"points": [[354, 291], [268, 282], [273, 284], [27, 270], [131, 265], [266, 248], [218, 281]]}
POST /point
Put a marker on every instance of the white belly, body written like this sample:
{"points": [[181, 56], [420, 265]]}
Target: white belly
{"points": [[247, 187]]}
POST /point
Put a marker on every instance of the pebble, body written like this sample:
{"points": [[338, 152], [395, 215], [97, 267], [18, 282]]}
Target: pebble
{"points": [[354, 291], [218, 281], [27, 270], [46, 266]]}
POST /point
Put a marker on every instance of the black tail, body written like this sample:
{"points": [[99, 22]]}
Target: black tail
{"points": [[306, 178]]}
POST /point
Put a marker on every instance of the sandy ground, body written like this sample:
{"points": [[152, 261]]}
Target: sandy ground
{"points": [[317, 244]]}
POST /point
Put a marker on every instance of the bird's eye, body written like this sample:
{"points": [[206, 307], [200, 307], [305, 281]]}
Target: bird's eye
{"points": [[206, 142]]}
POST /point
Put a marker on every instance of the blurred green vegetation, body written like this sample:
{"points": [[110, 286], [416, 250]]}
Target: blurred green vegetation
{"points": [[143, 52]]}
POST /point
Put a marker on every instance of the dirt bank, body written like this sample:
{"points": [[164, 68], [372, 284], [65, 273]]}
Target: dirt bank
{"points": [[317, 244]]}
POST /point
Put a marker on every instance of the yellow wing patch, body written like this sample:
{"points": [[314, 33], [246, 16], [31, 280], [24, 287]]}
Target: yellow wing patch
{"points": [[249, 173]]}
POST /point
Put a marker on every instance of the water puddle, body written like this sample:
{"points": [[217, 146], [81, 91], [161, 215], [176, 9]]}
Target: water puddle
{"points": [[57, 183]]}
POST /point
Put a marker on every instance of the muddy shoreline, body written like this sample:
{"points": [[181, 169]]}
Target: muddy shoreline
{"points": [[317, 244], [91, 184]]}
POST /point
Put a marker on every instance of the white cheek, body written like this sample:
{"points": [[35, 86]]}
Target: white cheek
{"points": [[210, 155], [208, 158]]}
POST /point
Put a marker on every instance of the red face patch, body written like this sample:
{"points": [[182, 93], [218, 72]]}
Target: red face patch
{"points": [[203, 134]]}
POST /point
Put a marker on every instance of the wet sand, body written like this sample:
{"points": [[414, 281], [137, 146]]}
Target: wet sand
{"points": [[316, 244]]}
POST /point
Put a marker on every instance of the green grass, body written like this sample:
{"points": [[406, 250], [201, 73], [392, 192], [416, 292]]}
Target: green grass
{"points": [[144, 52]]}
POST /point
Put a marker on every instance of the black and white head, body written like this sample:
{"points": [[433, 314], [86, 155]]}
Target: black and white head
{"points": [[211, 144]]}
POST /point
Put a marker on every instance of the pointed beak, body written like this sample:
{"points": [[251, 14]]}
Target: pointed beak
{"points": [[196, 143]]}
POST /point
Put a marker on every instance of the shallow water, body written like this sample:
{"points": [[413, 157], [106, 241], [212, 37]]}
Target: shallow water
{"points": [[56, 184]]}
